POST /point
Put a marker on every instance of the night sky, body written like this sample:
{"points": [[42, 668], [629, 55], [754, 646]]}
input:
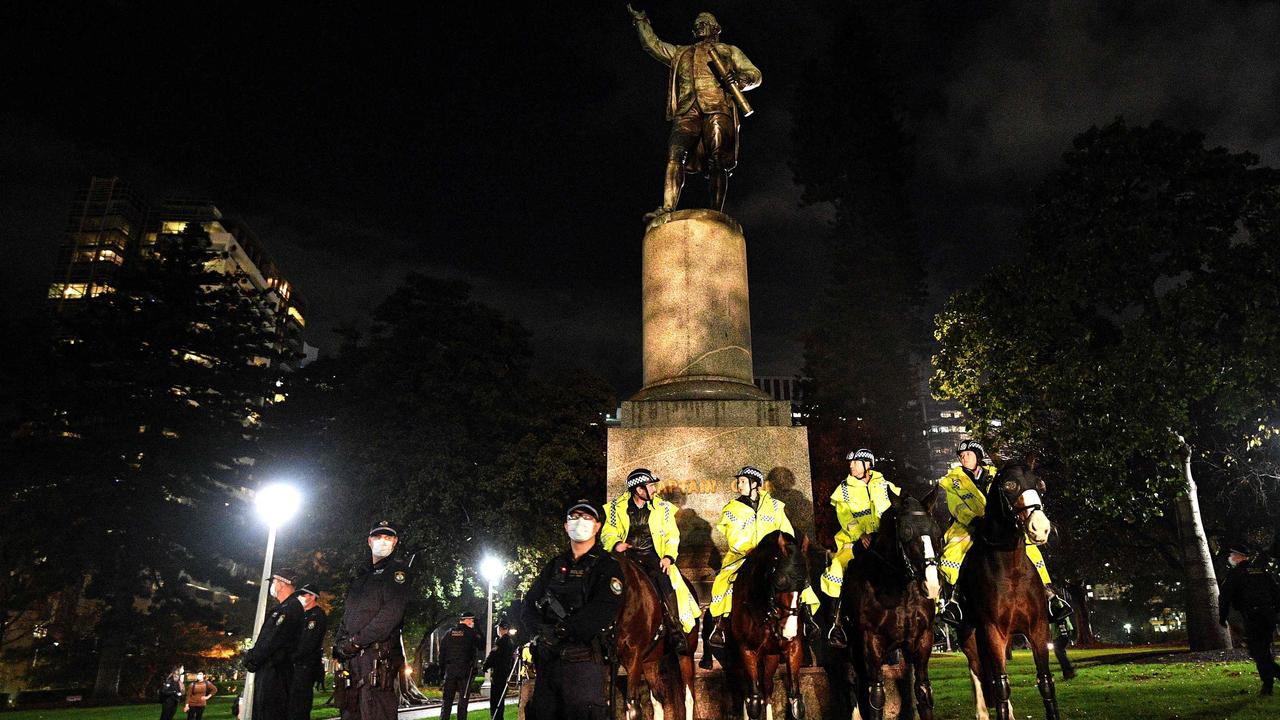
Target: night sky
{"points": [[517, 146]]}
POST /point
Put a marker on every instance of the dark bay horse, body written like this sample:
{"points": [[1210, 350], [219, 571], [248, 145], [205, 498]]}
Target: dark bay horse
{"points": [[642, 648], [890, 594], [765, 624], [1001, 593]]}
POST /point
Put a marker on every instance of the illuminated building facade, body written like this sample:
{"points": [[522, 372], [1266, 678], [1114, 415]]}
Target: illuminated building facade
{"points": [[102, 227]]}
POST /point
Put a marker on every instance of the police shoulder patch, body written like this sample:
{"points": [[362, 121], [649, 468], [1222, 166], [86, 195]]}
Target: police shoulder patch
{"points": [[280, 619], [615, 585], [399, 576], [311, 625]]}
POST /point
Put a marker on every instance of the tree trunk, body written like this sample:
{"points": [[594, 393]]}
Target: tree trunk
{"points": [[1080, 601], [1203, 631]]}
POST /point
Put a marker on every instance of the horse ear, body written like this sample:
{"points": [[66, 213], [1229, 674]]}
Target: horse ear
{"points": [[782, 542], [1031, 459]]}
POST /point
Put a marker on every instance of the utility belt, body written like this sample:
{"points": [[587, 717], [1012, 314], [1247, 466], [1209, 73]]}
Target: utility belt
{"points": [[573, 651]]}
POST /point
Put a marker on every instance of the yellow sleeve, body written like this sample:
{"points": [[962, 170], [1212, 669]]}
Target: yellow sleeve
{"points": [[615, 526], [672, 547]]}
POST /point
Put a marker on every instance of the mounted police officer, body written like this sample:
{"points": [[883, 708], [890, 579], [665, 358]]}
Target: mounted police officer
{"points": [[572, 604], [271, 657], [743, 522], [966, 487], [459, 650], [643, 526], [1250, 588], [308, 657], [368, 640], [859, 502]]}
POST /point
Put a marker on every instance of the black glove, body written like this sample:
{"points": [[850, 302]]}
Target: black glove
{"points": [[345, 649], [250, 665]]}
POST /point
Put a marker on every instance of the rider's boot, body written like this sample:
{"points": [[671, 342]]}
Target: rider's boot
{"points": [[717, 639], [675, 630], [1059, 608], [809, 626], [951, 613], [836, 637]]}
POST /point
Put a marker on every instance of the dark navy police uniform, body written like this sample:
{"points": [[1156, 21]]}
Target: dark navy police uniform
{"points": [[570, 656], [1252, 590]]}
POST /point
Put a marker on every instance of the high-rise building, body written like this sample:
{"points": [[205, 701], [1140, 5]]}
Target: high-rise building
{"points": [[102, 228], [945, 427]]}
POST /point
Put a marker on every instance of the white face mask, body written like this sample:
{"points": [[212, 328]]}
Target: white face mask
{"points": [[382, 547], [581, 529]]}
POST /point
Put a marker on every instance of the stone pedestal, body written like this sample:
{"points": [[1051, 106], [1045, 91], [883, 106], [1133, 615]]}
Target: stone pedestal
{"points": [[699, 417]]}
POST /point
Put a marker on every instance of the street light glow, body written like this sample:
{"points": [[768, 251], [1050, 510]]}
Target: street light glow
{"points": [[277, 503], [492, 569]]}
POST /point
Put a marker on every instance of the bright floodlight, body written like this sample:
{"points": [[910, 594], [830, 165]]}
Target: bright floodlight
{"points": [[277, 503], [492, 569]]}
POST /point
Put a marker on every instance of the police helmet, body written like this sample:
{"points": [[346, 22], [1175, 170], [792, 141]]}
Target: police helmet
{"points": [[862, 454], [751, 473], [640, 476], [975, 447]]}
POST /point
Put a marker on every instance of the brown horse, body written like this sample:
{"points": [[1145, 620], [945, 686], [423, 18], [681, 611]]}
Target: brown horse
{"points": [[1001, 593], [890, 594], [642, 647], [765, 624]]}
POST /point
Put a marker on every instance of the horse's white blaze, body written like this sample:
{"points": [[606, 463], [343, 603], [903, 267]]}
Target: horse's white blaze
{"points": [[931, 584], [1038, 527], [1030, 497], [793, 625]]}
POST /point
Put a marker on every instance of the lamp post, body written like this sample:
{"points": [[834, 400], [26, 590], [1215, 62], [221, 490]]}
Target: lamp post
{"points": [[276, 504], [492, 570]]}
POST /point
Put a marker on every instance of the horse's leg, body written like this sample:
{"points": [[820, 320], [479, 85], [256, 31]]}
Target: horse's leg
{"points": [[969, 644], [769, 661], [1039, 639], [992, 642], [920, 651], [751, 666], [634, 688], [873, 656], [795, 658]]}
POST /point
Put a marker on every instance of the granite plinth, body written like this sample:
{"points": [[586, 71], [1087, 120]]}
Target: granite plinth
{"points": [[706, 413], [697, 319]]}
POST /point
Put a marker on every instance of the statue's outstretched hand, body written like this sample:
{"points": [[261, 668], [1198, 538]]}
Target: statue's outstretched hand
{"points": [[636, 15]]}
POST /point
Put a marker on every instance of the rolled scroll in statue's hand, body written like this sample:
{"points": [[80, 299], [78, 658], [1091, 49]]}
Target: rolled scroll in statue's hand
{"points": [[722, 72]]}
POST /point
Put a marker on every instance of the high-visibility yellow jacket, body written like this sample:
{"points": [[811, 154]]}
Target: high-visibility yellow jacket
{"points": [[662, 525], [966, 499], [859, 506], [743, 527]]}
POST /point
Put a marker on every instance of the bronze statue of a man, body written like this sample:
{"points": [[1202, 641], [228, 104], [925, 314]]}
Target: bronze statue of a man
{"points": [[703, 96]]}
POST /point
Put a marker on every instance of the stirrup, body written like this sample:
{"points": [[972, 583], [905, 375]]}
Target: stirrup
{"points": [[836, 637], [1059, 609], [951, 613], [717, 638]]}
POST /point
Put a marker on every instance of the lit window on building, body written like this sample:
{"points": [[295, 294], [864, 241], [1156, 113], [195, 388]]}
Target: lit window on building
{"points": [[68, 291], [173, 227], [293, 313]]}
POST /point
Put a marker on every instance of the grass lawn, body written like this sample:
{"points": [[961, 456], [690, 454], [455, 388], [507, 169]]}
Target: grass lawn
{"points": [[1101, 689]]}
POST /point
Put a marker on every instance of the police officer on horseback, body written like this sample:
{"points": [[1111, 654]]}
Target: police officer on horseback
{"points": [[368, 640], [643, 526], [966, 487], [743, 522], [571, 606], [1250, 588], [859, 502]]}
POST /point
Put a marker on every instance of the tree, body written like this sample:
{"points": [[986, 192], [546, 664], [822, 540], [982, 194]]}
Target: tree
{"points": [[866, 336], [144, 422], [435, 422], [1140, 336]]}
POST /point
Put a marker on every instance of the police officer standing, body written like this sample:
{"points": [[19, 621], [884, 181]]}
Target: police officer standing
{"points": [[459, 651], [1252, 590], [271, 657], [500, 662], [368, 640], [308, 661], [572, 603]]}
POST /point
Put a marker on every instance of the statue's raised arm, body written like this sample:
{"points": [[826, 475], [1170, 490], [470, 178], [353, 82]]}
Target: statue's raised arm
{"points": [[704, 104]]}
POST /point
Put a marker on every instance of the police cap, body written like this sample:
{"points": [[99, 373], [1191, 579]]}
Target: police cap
{"points": [[585, 506], [383, 528], [310, 589]]}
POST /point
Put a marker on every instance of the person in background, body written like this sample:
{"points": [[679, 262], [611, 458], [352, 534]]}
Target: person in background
{"points": [[308, 657], [459, 650], [198, 694], [171, 693], [501, 661], [1251, 588]]}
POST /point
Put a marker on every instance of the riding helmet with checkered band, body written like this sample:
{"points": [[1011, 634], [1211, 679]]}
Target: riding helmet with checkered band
{"points": [[975, 446], [862, 454], [640, 476], [751, 473]]}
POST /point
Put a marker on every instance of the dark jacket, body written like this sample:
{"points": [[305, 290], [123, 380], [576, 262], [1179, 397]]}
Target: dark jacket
{"points": [[589, 589], [172, 690], [278, 637], [501, 658], [459, 649], [307, 654], [1248, 586], [376, 600]]}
